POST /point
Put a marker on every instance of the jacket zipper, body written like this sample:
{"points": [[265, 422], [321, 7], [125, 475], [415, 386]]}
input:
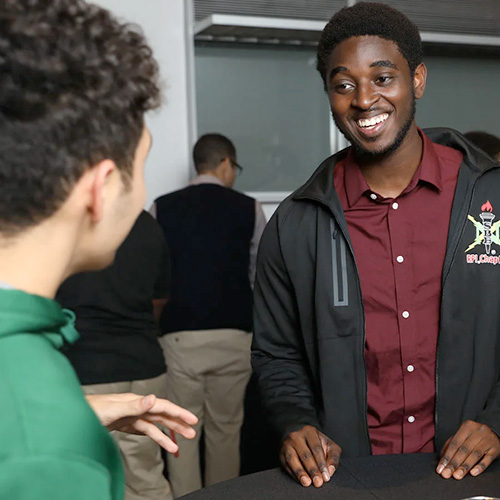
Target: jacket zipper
{"points": [[362, 309]]}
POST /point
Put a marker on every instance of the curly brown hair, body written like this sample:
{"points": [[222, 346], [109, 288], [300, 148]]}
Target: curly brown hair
{"points": [[74, 86]]}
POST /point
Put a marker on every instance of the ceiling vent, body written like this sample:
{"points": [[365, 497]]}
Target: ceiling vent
{"points": [[300, 22]]}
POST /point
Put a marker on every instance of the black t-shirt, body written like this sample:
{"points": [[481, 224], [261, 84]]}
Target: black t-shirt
{"points": [[114, 310]]}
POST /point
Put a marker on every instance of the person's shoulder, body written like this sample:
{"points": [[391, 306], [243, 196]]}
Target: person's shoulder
{"points": [[146, 223], [239, 195], [44, 409], [446, 139], [173, 195]]}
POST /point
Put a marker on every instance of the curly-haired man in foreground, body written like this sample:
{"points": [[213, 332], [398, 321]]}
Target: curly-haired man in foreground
{"points": [[74, 87]]}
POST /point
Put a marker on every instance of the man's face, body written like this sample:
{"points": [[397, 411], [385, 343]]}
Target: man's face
{"points": [[233, 172], [133, 196], [372, 93], [123, 205]]}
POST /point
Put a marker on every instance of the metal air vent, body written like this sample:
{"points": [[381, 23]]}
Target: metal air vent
{"points": [[321, 10], [300, 22]]}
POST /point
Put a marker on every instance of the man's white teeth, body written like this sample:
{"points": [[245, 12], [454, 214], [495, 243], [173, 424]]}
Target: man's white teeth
{"points": [[370, 122]]}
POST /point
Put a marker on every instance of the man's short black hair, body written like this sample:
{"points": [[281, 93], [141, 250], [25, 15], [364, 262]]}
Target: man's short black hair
{"points": [[210, 150], [375, 19], [489, 143], [74, 86]]}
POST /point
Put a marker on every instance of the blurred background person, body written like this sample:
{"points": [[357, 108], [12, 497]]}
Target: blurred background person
{"points": [[489, 143], [213, 233], [118, 350]]}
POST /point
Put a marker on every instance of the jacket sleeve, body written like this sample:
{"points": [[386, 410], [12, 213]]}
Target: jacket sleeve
{"points": [[278, 355], [490, 415], [55, 478]]}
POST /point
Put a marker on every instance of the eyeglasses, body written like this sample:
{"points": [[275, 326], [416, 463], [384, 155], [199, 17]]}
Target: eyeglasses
{"points": [[238, 167], [234, 164]]}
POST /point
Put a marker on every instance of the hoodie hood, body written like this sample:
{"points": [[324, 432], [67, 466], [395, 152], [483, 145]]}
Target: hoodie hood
{"points": [[24, 313]]}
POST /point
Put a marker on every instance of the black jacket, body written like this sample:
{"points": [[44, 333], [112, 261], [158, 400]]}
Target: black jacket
{"points": [[309, 332]]}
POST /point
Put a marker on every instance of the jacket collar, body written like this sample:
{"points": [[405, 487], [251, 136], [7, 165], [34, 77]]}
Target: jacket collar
{"points": [[206, 179], [320, 186]]}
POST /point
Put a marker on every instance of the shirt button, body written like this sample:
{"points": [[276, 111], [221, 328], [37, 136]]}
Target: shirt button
{"points": [[373, 196], [395, 206], [411, 419], [410, 368], [405, 314], [400, 258]]}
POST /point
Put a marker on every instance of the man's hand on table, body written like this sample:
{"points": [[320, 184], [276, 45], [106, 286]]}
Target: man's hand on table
{"points": [[471, 450], [309, 456], [141, 414]]}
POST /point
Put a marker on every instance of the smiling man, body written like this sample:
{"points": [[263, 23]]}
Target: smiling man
{"points": [[376, 331]]}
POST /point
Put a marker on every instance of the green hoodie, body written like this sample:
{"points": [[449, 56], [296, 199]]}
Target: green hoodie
{"points": [[52, 446]]}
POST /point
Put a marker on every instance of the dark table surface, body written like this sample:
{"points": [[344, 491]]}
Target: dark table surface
{"points": [[389, 477]]}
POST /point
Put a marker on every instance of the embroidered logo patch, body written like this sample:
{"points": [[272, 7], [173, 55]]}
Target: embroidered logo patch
{"points": [[487, 234]]}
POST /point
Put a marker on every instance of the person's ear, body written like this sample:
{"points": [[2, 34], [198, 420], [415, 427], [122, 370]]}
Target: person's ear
{"points": [[102, 173], [226, 162], [419, 80]]}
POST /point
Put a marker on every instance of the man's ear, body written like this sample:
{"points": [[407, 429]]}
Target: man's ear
{"points": [[419, 80], [101, 175]]}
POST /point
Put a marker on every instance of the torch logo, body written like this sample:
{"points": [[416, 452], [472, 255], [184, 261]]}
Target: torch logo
{"points": [[486, 234]]}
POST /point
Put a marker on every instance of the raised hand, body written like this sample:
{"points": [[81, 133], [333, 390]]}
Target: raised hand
{"points": [[141, 414]]}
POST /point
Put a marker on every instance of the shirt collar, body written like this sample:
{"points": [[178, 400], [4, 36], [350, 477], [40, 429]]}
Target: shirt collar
{"points": [[429, 171], [206, 179]]}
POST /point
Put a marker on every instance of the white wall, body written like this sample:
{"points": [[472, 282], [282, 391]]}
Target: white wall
{"points": [[164, 24], [167, 25]]}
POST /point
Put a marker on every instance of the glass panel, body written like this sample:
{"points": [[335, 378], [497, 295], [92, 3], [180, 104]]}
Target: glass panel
{"points": [[462, 93], [270, 102]]}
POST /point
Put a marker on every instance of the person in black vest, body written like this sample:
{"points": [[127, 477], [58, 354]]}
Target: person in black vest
{"points": [[213, 234]]}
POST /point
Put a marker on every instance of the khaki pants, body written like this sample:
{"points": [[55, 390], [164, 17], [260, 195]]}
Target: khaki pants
{"points": [[141, 456], [207, 373]]}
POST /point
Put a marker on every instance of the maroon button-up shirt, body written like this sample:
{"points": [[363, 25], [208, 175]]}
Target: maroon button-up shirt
{"points": [[400, 246]]}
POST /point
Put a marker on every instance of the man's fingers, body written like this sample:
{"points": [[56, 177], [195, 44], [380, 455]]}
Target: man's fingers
{"points": [[474, 442], [333, 452], [467, 456], [308, 460], [484, 463], [315, 446], [445, 466], [150, 430], [167, 408], [293, 465], [468, 451], [178, 426], [148, 402]]}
